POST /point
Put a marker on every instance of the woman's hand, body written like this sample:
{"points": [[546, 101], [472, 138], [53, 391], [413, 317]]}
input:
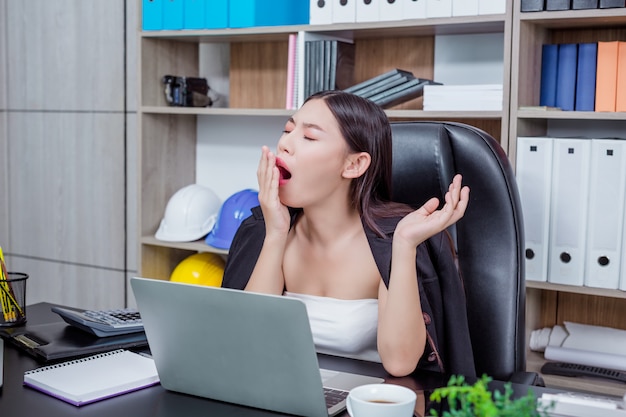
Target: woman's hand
{"points": [[276, 214], [427, 221]]}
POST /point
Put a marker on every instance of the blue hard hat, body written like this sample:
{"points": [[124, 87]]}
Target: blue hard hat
{"points": [[233, 212]]}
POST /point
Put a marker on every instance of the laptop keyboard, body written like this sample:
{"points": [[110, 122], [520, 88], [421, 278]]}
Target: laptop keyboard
{"points": [[334, 396]]}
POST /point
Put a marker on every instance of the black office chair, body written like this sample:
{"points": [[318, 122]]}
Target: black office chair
{"points": [[489, 239]]}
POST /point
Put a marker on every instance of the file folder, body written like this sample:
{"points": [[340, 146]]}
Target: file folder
{"points": [[414, 9], [465, 7], [566, 76], [321, 12], [586, 77], [607, 194], [549, 64], [534, 181], [151, 15], [368, 10], [194, 14], [568, 211], [606, 76], [252, 13], [491, 7], [620, 88], [173, 14], [344, 11], [216, 16], [390, 10], [438, 8]]}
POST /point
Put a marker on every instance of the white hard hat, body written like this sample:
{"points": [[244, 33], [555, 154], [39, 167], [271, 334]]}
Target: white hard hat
{"points": [[190, 214]]}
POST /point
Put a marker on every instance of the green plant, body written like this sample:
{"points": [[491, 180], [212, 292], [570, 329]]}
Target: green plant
{"points": [[476, 400]]}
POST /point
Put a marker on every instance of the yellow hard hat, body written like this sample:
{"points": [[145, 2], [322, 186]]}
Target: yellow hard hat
{"points": [[201, 269]]}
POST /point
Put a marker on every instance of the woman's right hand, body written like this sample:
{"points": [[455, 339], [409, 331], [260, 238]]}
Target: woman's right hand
{"points": [[276, 214]]}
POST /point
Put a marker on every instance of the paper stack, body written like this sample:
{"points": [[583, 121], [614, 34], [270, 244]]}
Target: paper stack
{"points": [[480, 97]]}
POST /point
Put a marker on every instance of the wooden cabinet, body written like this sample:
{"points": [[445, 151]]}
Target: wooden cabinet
{"points": [[549, 304]]}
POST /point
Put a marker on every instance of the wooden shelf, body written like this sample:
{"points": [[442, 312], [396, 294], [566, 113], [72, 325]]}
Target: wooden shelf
{"points": [[570, 115], [575, 18], [535, 360], [196, 246], [574, 289]]}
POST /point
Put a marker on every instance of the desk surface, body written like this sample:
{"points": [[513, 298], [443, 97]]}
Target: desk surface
{"points": [[17, 400]]}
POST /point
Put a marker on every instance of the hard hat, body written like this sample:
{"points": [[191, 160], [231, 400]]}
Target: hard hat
{"points": [[234, 211], [190, 214], [201, 269]]}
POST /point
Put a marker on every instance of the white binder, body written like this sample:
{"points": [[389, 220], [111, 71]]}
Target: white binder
{"points": [[368, 10], [534, 181], [438, 8], [390, 10], [491, 6], [568, 211], [321, 12], [465, 7], [344, 11], [414, 9], [607, 193]]}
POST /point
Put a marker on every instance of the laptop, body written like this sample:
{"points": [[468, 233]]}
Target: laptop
{"points": [[240, 347]]}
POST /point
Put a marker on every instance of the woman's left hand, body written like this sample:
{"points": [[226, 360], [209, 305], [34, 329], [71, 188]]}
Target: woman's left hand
{"points": [[427, 221]]}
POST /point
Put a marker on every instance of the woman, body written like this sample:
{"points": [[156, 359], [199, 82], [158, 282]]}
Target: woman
{"points": [[327, 232]]}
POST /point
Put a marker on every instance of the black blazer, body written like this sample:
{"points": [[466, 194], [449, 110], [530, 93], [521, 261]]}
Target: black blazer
{"points": [[442, 295]]}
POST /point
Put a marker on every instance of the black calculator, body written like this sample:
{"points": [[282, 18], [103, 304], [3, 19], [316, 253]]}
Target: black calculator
{"points": [[103, 323]]}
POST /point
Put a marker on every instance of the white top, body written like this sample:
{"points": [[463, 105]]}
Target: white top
{"points": [[343, 327]]}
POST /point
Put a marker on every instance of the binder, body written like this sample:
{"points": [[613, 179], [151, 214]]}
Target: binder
{"points": [[620, 88], [321, 12], [607, 198], [465, 7], [606, 76], [401, 93], [558, 4], [566, 76], [414, 9], [491, 7], [291, 72], [549, 64], [534, 181], [94, 378], [194, 13], [173, 14], [251, 13], [151, 15], [438, 8], [368, 10], [532, 5], [568, 211], [586, 77], [216, 16], [605, 4], [584, 4], [344, 11], [390, 10]]}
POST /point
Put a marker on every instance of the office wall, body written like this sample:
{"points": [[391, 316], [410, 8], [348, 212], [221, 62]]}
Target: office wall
{"points": [[69, 111]]}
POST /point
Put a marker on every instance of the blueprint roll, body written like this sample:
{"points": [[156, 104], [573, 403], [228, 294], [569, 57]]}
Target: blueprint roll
{"points": [[584, 357]]}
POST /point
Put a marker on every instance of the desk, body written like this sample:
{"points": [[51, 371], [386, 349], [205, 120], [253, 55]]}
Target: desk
{"points": [[17, 400]]}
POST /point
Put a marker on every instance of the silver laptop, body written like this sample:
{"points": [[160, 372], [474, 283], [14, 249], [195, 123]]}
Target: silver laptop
{"points": [[240, 347]]}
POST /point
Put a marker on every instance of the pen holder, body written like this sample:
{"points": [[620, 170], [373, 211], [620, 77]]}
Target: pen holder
{"points": [[13, 299]]}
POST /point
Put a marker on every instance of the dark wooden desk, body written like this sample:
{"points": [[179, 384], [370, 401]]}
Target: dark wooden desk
{"points": [[17, 400]]}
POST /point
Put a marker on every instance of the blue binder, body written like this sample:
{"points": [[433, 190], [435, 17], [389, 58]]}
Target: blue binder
{"points": [[151, 15], [566, 76], [216, 14], [586, 77], [173, 14], [193, 14], [248, 13], [549, 63]]}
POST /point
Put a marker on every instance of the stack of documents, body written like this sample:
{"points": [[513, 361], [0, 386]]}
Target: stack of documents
{"points": [[480, 97], [582, 344]]}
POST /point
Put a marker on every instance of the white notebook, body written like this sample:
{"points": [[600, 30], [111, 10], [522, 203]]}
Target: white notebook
{"points": [[94, 378]]}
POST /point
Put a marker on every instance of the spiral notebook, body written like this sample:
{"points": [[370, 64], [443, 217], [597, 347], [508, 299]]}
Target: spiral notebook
{"points": [[94, 378]]}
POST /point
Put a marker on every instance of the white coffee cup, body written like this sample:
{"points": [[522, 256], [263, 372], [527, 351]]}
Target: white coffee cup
{"points": [[381, 400]]}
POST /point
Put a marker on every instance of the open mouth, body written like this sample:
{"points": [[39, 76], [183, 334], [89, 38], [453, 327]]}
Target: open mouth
{"points": [[284, 172]]}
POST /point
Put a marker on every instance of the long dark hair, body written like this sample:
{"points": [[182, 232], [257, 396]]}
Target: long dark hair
{"points": [[365, 128]]}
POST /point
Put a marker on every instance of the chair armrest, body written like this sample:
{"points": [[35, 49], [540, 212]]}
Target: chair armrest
{"points": [[527, 378]]}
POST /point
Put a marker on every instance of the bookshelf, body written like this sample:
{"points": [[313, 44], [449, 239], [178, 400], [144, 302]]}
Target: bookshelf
{"points": [[550, 304], [255, 63]]}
